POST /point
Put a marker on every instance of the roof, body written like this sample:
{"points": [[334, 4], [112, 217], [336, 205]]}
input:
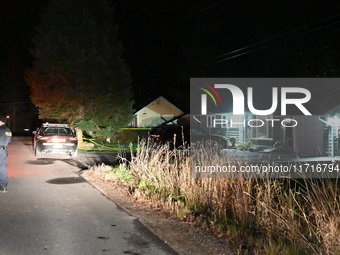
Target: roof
{"points": [[54, 125], [158, 100]]}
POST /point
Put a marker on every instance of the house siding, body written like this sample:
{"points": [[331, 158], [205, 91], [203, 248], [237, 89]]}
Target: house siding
{"points": [[155, 113], [308, 136]]}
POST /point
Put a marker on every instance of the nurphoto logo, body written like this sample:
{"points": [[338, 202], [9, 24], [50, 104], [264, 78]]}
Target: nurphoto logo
{"points": [[238, 99], [265, 127]]}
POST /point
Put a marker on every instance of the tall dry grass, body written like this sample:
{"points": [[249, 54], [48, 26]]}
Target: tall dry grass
{"points": [[270, 216]]}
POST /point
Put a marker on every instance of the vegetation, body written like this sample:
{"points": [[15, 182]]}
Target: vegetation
{"points": [[260, 216], [78, 75], [248, 146], [102, 146]]}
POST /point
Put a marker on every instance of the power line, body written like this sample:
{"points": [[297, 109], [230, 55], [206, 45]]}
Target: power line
{"points": [[262, 44], [199, 11], [258, 45]]}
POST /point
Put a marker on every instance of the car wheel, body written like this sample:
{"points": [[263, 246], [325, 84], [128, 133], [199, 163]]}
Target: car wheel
{"points": [[74, 154]]}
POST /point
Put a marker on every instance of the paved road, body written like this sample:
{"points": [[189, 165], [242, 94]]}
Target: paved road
{"points": [[50, 209]]}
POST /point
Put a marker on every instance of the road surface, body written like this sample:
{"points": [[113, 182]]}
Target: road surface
{"points": [[50, 209]]}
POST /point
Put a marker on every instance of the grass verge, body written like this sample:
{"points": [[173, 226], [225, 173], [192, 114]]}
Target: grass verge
{"points": [[259, 216], [98, 146]]}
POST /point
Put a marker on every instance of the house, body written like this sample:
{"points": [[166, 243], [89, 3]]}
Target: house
{"points": [[155, 113], [305, 122], [316, 135], [331, 120]]}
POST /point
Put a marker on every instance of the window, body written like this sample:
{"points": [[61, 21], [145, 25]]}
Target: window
{"points": [[57, 131], [262, 126]]}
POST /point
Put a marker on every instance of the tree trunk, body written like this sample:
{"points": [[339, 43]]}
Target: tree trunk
{"points": [[81, 143], [79, 134]]}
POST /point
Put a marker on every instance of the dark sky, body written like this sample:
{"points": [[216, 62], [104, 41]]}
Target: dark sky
{"points": [[167, 42]]}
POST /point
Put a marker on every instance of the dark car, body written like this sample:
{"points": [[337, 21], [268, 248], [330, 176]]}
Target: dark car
{"points": [[175, 135], [55, 139], [200, 137]]}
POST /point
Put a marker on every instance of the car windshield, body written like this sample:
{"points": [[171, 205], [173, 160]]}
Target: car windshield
{"points": [[56, 131]]}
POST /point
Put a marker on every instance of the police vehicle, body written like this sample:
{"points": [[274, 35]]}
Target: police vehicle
{"points": [[55, 139]]}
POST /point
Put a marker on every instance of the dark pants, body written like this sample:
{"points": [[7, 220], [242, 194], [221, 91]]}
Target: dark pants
{"points": [[3, 168]]}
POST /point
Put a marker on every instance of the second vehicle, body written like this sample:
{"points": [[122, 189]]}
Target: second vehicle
{"points": [[55, 139]]}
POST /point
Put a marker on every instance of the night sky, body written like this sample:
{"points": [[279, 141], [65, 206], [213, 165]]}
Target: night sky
{"points": [[167, 42]]}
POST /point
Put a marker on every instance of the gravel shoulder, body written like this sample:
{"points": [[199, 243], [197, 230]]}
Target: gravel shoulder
{"points": [[183, 237]]}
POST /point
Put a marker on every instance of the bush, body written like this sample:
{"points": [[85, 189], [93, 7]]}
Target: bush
{"points": [[131, 135], [247, 146]]}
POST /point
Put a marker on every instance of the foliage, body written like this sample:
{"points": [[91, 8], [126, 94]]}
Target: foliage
{"points": [[78, 75], [264, 216], [132, 135], [247, 146], [103, 146]]}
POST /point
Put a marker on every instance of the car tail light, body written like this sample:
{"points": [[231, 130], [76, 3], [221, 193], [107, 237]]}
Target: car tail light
{"points": [[72, 138], [43, 138]]}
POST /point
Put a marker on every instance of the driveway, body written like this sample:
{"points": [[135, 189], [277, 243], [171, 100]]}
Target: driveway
{"points": [[51, 209]]}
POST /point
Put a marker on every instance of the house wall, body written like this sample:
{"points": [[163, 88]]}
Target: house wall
{"points": [[242, 132], [332, 140], [308, 136], [157, 113], [150, 118]]}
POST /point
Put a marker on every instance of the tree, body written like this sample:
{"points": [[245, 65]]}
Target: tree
{"points": [[78, 75]]}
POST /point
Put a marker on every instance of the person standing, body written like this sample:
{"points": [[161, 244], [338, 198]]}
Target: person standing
{"points": [[5, 139]]}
